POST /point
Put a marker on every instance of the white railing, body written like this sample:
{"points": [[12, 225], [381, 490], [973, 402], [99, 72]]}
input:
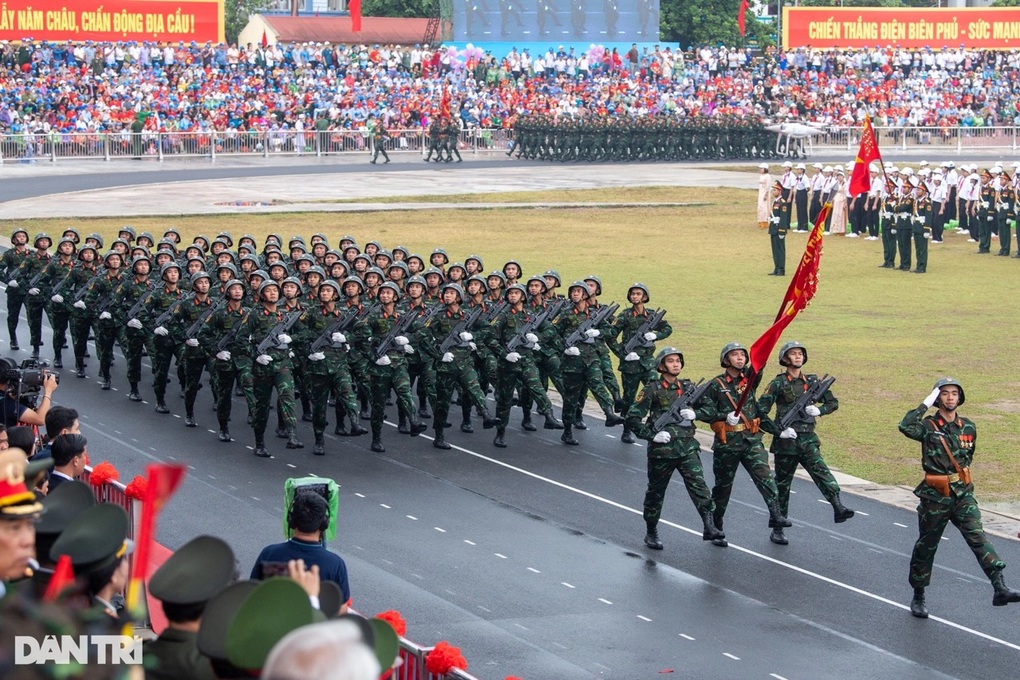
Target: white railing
{"points": [[957, 140]]}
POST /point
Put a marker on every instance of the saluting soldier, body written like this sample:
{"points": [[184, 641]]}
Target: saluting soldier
{"points": [[905, 222]]}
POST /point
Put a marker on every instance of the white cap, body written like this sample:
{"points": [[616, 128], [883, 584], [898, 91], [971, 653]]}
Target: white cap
{"points": [[849, 165], [827, 168], [923, 164], [914, 181], [973, 176], [924, 172], [787, 164], [817, 166], [907, 171], [946, 164], [996, 169], [763, 166], [950, 164], [874, 167], [840, 171], [800, 166]]}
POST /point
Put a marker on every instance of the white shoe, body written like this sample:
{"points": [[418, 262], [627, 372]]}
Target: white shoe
{"points": [[972, 240], [851, 235]]}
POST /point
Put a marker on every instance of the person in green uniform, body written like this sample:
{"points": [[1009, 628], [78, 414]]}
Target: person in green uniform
{"points": [[948, 443], [779, 224], [56, 283], [203, 344], [671, 448], [798, 444], [34, 269], [82, 317], [98, 299], [890, 199], [737, 436], [380, 137], [167, 295], [10, 271], [986, 212], [133, 335], [921, 227]]}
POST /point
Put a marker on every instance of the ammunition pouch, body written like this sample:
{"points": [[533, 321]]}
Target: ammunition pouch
{"points": [[751, 426], [941, 482]]}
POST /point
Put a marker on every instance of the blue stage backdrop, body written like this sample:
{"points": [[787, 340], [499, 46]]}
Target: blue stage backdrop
{"points": [[587, 21]]}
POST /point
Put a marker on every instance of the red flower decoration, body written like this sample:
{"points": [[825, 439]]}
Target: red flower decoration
{"points": [[444, 658], [136, 489], [394, 618], [103, 473], [513, 677]]}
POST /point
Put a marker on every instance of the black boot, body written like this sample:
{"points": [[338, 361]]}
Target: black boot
{"points": [[839, 512], [377, 445], [499, 442], [341, 428], [423, 412], [618, 403], [1003, 595], [189, 420], [292, 440], [466, 426], [568, 436], [440, 441], [612, 420], [489, 421], [711, 531], [225, 435], [551, 423], [628, 437], [105, 384], [917, 606], [35, 352], [320, 445], [260, 449], [777, 516], [579, 423], [14, 344], [306, 416], [133, 394], [161, 406], [526, 423], [81, 371], [652, 537], [58, 361], [356, 429], [365, 413], [717, 518], [778, 537], [281, 432], [402, 425], [417, 427]]}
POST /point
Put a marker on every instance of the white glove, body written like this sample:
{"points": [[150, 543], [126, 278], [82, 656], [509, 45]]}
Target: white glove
{"points": [[58, 298], [782, 236], [930, 400], [688, 414], [892, 231], [649, 336], [223, 356], [788, 433], [927, 234], [530, 338], [473, 346], [572, 352], [812, 410], [536, 346], [448, 357], [105, 315], [33, 291], [13, 284], [662, 437], [774, 220], [263, 359], [466, 337], [513, 357], [732, 419], [633, 356], [400, 341], [384, 360], [593, 333], [316, 356], [408, 349], [161, 330], [283, 339], [191, 342], [338, 338], [80, 304], [134, 323]]}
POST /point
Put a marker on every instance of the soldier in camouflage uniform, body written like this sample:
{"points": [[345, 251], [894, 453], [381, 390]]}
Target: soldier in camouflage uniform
{"points": [[946, 495], [164, 302], [605, 346], [451, 139], [10, 266], [97, 300], [420, 368], [637, 367], [798, 444], [56, 282], [34, 268], [357, 358], [737, 437], [671, 448], [434, 141], [133, 336], [219, 336], [81, 317]]}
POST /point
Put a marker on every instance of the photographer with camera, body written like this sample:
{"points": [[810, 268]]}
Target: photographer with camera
{"points": [[13, 409]]}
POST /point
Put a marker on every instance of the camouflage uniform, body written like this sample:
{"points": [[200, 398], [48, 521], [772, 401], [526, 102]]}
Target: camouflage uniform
{"points": [[639, 371], [11, 267], [34, 264], [98, 300], [212, 340], [165, 348], [57, 281], [522, 374]]}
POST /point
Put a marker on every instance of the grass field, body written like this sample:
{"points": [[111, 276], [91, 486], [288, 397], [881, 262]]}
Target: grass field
{"points": [[886, 335]]}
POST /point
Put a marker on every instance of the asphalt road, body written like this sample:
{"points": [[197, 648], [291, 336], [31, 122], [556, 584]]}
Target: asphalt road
{"points": [[531, 560]]}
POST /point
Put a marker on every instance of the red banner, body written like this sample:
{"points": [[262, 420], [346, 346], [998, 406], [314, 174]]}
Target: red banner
{"points": [[113, 21], [854, 27]]}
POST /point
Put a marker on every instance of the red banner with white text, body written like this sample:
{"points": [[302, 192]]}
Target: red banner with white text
{"points": [[912, 28], [112, 20]]}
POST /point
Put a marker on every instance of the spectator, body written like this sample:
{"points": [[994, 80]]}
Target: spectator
{"points": [[59, 420], [22, 437], [12, 411], [5, 442], [332, 650], [69, 457]]}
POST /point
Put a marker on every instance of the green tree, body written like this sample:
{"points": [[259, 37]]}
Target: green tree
{"points": [[236, 14], [695, 23], [1006, 3], [398, 8]]}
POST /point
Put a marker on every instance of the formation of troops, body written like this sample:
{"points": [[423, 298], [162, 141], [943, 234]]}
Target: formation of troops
{"points": [[648, 138]]}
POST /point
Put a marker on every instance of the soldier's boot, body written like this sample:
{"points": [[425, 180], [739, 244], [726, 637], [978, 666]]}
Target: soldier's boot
{"points": [[489, 421], [526, 423], [189, 419], [260, 448], [161, 406], [58, 360], [839, 511], [777, 516], [717, 519], [366, 413], [224, 434], [466, 426], [377, 443], [628, 437], [712, 532], [568, 436], [80, 370], [35, 352], [579, 423], [778, 537], [14, 342], [551, 423], [238, 391], [320, 445], [133, 395], [341, 427], [356, 429], [499, 442], [292, 441], [417, 427], [612, 420], [1003, 595], [652, 536], [105, 384], [917, 605], [423, 410], [618, 403], [402, 426], [440, 441]]}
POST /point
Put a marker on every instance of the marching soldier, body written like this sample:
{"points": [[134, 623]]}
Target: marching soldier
{"points": [[133, 338], [199, 345], [97, 300], [163, 301], [779, 224], [921, 228], [946, 494], [34, 266], [798, 444], [670, 448], [81, 317], [10, 264], [380, 135], [55, 282]]}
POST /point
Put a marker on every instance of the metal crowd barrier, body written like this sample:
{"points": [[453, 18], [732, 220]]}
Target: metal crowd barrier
{"points": [[957, 140], [115, 492]]}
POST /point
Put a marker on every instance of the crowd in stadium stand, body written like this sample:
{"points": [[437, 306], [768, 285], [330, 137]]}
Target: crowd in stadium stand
{"points": [[86, 87]]}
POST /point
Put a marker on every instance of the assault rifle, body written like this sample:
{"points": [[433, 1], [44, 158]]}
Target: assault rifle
{"points": [[228, 338], [87, 285], [638, 339], [325, 339], [281, 327], [60, 285], [193, 329], [140, 303], [493, 312], [165, 316], [592, 321], [813, 393], [402, 327], [535, 322], [463, 326], [686, 400]]}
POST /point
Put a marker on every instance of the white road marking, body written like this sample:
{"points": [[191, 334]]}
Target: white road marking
{"points": [[533, 570], [860, 512], [686, 637], [604, 600], [291, 465], [359, 495], [777, 677], [117, 432], [564, 583], [385, 506], [900, 525], [727, 654], [254, 498], [520, 626], [876, 551], [823, 501], [834, 537], [502, 557], [385, 560], [470, 542], [442, 531], [644, 618], [610, 436], [175, 415], [134, 440], [192, 467], [411, 517], [212, 431], [484, 609]]}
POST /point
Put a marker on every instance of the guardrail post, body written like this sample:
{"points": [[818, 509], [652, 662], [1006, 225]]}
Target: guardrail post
{"points": [[212, 145], [265, 145], [105, 136], [53, 149], [159, 146], [959, 141]]}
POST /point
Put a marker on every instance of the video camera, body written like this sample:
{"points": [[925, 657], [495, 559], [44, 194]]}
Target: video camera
{"points": [[24, 383]]}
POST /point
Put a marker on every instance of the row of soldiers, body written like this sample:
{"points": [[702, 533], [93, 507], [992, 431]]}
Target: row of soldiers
{"points": [[444, 133], [649, 138]]}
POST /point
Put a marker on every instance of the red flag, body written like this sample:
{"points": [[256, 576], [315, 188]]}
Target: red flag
{"points": [[354, 7], [265, 38], [444, 104], [741, 24], [860, 181], [63, 576]]}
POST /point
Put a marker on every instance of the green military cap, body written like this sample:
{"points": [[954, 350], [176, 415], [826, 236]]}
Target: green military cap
{"points": [[273, 609], [329, 599], [62, 505], [35, 470], [386, 644], [219, 615], [147, 235], [94, 539], [476, 258], [201, 568]]}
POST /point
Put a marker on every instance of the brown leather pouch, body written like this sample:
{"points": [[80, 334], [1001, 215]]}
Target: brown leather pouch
{"points": [[754, 425], [719, 427], [938, 482], [965, 475]]}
